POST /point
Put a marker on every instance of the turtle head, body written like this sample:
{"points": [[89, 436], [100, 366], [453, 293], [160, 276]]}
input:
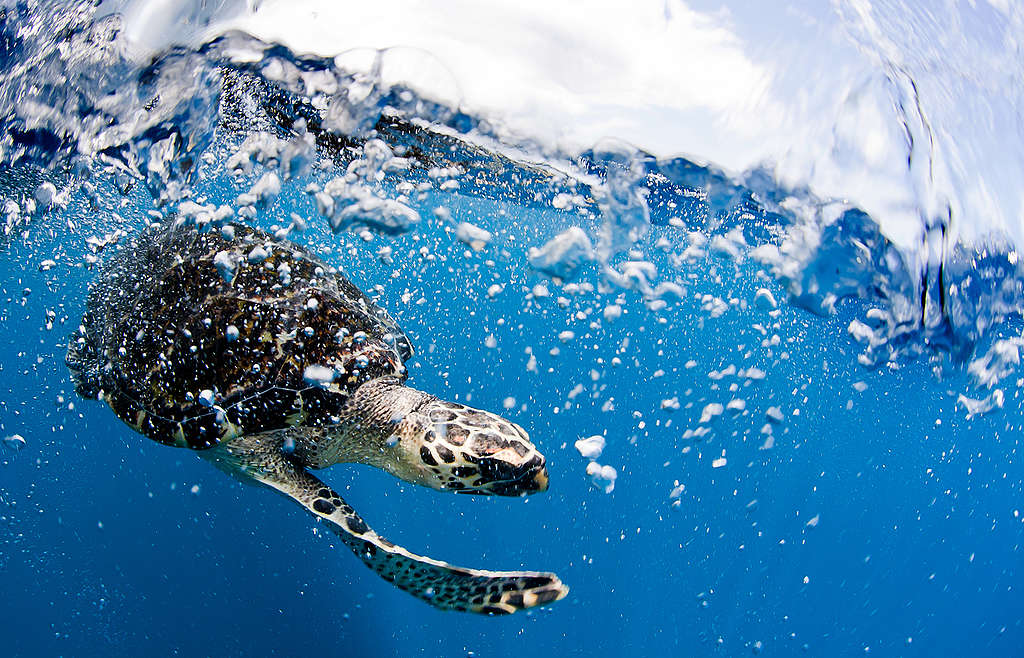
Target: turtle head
{"points": [[449, 446], [437, 444]]}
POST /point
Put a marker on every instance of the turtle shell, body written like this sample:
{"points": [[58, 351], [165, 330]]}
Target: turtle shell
{"points": [[195, 337]]}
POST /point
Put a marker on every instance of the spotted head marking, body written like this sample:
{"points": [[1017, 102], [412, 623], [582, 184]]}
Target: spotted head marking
{"points": [[466, 450], [438, 444]]}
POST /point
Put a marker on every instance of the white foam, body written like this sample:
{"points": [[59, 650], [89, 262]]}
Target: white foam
{"points": [[976, 407], [718, 375], [386, 215], [225, 263], [753, 373], [319, 375], [591, 447], [711, 411], [698, 433], [602, 477], [262, 192], [14, 442], [715, 307], [257, 255], [473, 235], [612, 312], [206, 397], [731, 245], [563, 254], [765, 300], [45, 194], [1001, 360]]}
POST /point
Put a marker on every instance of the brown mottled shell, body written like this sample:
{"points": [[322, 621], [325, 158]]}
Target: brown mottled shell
{"points": [[191, 353]]}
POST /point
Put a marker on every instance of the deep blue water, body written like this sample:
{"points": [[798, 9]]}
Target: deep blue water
{"points": [[880, 519], [916, 550]]}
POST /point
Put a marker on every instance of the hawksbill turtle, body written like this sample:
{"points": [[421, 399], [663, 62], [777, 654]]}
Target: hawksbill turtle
{"points": [[269, 362]]}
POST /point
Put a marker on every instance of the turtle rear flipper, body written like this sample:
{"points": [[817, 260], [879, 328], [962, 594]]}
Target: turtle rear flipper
{"points": [[442, 585]]}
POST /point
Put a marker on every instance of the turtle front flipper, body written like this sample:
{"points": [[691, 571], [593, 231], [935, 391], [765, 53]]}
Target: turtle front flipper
{"points": [[259, 458]]}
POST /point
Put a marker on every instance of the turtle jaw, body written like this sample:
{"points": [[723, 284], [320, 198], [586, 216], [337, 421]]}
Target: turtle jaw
{"points": [[535, 483], [540, 479], [522, 481]]}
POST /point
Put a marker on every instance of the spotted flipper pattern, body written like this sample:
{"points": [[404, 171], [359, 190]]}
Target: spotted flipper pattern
{"points": [[259, 458]]}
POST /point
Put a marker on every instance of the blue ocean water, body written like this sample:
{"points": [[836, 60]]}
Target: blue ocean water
{"points": [[775, 493]]}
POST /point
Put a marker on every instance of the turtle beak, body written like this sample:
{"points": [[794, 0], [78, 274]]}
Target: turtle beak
{"points": [[540, 479], [526, 479]]}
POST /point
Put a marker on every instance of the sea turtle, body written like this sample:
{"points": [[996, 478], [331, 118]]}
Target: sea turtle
{"points": [[254, 352]]}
